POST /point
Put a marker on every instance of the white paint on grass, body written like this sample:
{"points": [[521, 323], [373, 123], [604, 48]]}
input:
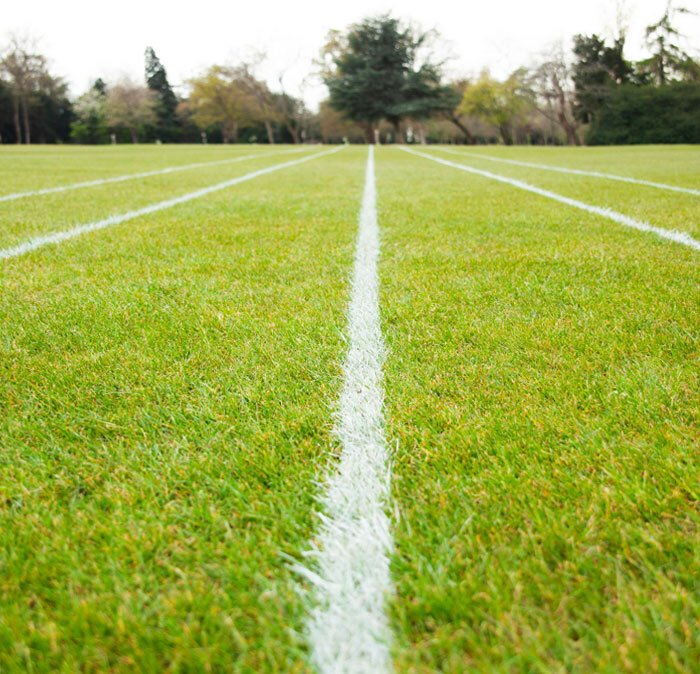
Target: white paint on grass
{"points": [[134, 176], [58, 237], [349, 569], [578, 172], [670, 234]]}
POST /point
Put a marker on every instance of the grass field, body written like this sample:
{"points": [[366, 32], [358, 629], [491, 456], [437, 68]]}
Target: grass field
{"points": [[169, 388]]}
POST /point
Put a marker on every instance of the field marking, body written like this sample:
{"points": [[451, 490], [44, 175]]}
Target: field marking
{"points": [[58, 237], [670, 234], [143, 174], [347, 626], [578, 172]]}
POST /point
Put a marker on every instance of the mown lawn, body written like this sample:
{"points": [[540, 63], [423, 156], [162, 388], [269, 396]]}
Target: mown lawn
{"points": [[542, 391], [166, 390]]}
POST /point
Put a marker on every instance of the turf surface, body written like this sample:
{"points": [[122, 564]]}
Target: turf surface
{"points": [[168, 387], [542, 389]]}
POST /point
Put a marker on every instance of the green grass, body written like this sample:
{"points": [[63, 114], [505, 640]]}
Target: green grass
{"points": [[166, 392], [167, 389], [542, 389]]}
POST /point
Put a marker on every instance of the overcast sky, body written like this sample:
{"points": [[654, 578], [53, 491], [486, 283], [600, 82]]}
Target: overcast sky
{"points": [[85, 39]]}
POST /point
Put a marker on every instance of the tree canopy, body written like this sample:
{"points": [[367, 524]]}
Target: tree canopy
{"points": [[165, 107], [377, 71]]}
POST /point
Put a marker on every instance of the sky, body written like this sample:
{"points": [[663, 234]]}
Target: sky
{"points": [[85, 39]]}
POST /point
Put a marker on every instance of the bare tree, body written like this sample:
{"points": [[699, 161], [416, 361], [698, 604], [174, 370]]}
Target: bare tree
{"points": [[26, 71], [292, 112], [260, 97], [553, 92], [130, 105]]}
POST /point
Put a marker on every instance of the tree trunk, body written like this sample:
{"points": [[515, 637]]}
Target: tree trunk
{"points": [[15, 118], [294, 132], [134, 135], [369, 133], [270, 135], [398, 136], [25, 116], [571, 135], [234, 133], [506, 134], [467, 133]]}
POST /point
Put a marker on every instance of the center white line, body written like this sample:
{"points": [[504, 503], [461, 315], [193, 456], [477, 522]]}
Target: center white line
{"points": [[578, 172], [142, 174], [347, 627], [673, 235], [58, 237]]}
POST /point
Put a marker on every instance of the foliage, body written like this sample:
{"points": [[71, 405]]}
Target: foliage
{"points": [[377, 70], [39, 101], [90, 124], [221, 97], [166, 125], [632, 114], [497, 103], [131, 106], [596, 69], [668, 61], [336, 128]]}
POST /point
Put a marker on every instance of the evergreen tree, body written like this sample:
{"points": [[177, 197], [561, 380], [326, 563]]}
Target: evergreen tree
{"points": [[668, 61], [596, 70], [166, 127], [372, 74]]}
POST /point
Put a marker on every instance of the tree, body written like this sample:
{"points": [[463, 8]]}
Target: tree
{"points": [[336, 128], [90, 125], [292, 113], [649, 114], [50, 110], [596, 70], [7, 129], [377, 71], [260, 99], [220, 97], [130, 106], [24, 69], [553, 93], [497, 103], [165, 100], [451, 108], [668, 61]]}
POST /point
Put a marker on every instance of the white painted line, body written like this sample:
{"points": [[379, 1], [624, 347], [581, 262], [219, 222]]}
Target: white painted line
{"points": [[143, 174], [578, 172], [670, 234], [58, 237], [347, 626]]}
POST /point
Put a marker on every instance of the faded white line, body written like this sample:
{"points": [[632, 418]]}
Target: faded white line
{"points": [[578, 172], [347, 626], [670, 234], [58, 237], [143, 174]]}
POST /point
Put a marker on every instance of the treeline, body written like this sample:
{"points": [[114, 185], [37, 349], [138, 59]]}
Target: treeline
{"points": [[380, 75], [224, 104], [383, 84]]}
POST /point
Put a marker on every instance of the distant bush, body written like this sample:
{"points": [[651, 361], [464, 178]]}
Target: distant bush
{"points": [[648, 114]]}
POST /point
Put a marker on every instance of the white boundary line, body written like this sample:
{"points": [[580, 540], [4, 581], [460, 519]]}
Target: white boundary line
{"points": [[58, 237], [670, 234], [347, 626], [578, 172], [143, 174]]}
